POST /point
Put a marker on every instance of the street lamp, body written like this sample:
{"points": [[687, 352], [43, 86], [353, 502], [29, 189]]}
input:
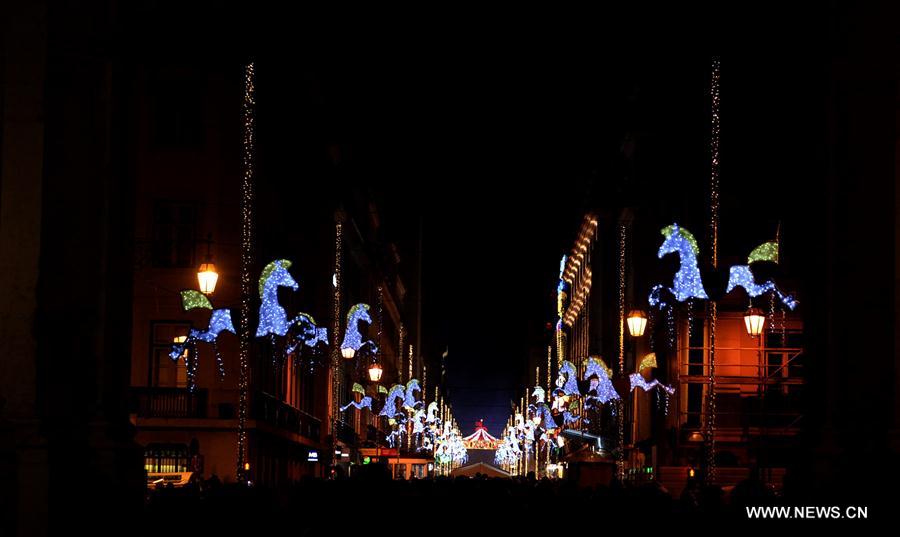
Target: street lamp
{"points": [[637, 323], [348, 352], [375, 371], [206, 274], [755, 321]]}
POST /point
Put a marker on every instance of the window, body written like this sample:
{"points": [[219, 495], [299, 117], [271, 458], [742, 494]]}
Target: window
{"points": [[165, 372], [696, 366], [399, 471], [177, 107], [418, 471], [167, 458], [784, 357], [174, 234]]}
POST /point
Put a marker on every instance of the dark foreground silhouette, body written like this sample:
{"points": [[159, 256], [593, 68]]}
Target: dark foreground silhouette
{"points": [[373, 504]]}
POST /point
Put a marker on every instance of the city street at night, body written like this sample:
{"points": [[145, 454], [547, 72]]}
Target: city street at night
{"points": [[271, 270]]}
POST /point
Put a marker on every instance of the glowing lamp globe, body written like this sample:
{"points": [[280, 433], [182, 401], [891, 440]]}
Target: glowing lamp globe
{"points": [[637, 323], [755, 321], [207, 278], [348, 352], [375, 372]]}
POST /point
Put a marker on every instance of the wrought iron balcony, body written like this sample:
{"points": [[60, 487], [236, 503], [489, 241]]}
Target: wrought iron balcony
{"points": [[168, 402], [270, 410]]}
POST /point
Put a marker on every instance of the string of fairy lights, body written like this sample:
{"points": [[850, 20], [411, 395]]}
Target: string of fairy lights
{"points": [[246, 205], [336, 328], [714, 258], [620, 414]]}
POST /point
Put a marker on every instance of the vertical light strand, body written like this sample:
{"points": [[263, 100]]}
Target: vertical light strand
{"points": [[620, 414], [400, 351], [549, 368], [714, 259], [410, 363], [336, 328], [248, 112]]}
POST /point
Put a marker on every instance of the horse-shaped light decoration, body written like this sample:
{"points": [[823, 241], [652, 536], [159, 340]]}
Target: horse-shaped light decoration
{"points": [[648, 363], [219, 321], [568, 378], [353, 338], [688, 282], [308, 334], [604, 388], [390, 410], [418, 421], [409, 397], [272, 317], [431, 415], [364, 402], [742, 275], [546, 417]]}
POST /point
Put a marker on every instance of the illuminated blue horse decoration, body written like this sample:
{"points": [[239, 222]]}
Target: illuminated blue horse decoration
{"points": [[219, 321], [409, 397], [353, 338], [272, 317], [604, 388], [742, 275], [364, 402], [541, 410], [390, 409], [309, 334], [569, 383], [687, 283], [273, 320]]}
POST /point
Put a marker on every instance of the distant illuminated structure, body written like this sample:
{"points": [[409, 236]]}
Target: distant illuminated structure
{"points": [[481, 438]]}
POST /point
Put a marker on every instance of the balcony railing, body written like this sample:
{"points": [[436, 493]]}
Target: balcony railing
{"points": [[169, 403], [270, 410]]}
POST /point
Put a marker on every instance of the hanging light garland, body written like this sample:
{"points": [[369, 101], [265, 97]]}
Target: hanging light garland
{"points": [[714, 258], [620, 418], [246, 205], [336, 328]]}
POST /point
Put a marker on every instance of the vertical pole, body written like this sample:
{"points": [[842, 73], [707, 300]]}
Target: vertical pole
{"points": [[247, 159]]}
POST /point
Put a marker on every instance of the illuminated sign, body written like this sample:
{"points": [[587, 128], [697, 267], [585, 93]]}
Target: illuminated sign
{"points": [[313, 456]]}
